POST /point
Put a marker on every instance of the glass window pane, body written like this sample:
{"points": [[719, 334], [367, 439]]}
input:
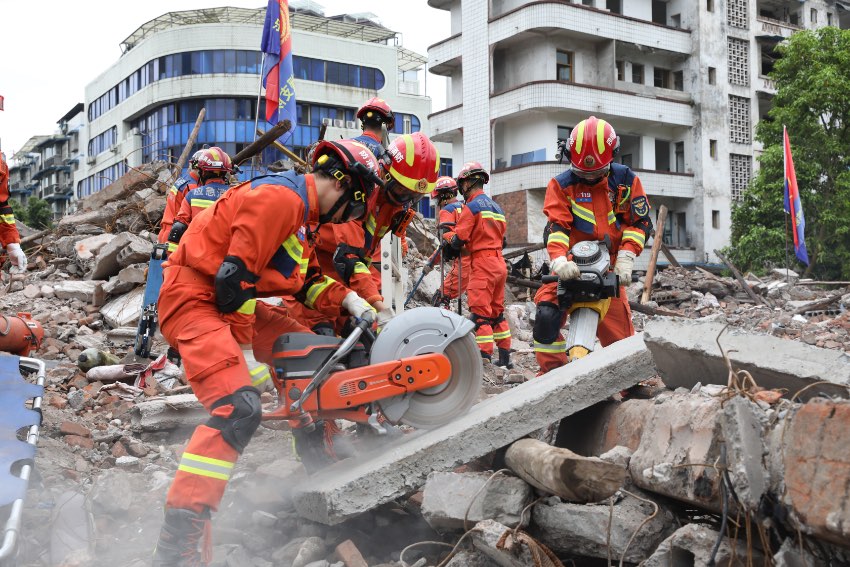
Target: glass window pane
{"points": [[196, 63], [230, 61], [218, 61], [241, 129], [206, 62], [379, 79], [219, 131], [317, 70], [229, 109], [241, 61], [230, 130], [354, 75]]}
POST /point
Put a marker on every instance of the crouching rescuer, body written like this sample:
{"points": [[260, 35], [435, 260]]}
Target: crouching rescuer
{"points": [[254, 241], [594, 200]]}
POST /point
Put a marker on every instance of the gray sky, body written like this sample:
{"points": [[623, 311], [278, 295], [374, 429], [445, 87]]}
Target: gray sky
{"points": [[52, 49]]}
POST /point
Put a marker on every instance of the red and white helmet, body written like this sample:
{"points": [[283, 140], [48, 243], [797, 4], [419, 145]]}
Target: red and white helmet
{"points": [[411, 168], [213, 160], [347, 158], [445, 188], [377, 109], [592, 146], [472, 169]]}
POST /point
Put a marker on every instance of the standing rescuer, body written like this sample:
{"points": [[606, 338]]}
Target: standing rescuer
{"points": [[481, 230], [454, 284], [10, 238], [374, 116], [255, 241], [594, 199], [174, 199]]}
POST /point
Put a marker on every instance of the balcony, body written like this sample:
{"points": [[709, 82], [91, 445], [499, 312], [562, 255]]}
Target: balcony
{"points": [[766, 85], [546, 15], [445, 124], [445, 56], [58, 192], [22, 187], [557, 95], [537, 176], [774, 28]]}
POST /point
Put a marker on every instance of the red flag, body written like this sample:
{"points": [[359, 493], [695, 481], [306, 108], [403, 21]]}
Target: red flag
{"points": [[793, 205], [1, 102]]}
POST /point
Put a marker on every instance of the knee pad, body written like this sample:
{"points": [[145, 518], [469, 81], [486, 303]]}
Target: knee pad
{"points": [[478, 320], [547, 323], [238, 428]]}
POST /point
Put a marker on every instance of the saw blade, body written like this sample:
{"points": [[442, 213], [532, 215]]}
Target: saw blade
{"points": [[431, 408]]}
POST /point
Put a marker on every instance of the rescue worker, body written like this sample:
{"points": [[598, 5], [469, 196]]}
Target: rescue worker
{"points": [[10, 238], [480, 231], [178, 191], [445, 194], [374, 116], [212, 165], [253, 242], [593, 199]]}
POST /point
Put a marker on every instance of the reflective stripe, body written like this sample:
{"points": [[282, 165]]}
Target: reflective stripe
{"points": [[205, 466], [612, 218], [557, 347], [635, 235], [560, 237], [580, 135], [502, 335], [316, 290], [409, 149], [173, 190], [583, 213], [600, 136], [295, 250], [248, 307], [493, 216], [172, 246], [360, 268], [370, 224], [413, 184], [484, 339], [202, 203], [8, 219], [259, 375]]}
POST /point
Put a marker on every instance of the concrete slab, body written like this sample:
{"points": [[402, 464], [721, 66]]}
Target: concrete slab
{"points": [[686, 352], [352, 487]]}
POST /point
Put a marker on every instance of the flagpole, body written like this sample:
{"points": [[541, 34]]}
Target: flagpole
{"points": [[787, 268], [257, 114], [786, 191]]}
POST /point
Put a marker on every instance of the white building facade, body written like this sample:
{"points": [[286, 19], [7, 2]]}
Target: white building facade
{"points": [[683, 82], [145, 105]]}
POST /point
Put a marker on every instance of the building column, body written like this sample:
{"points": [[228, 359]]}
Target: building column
{"points": [[647, 153], [476, 83]]}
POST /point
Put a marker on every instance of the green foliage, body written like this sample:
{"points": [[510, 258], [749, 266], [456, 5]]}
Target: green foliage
{"points": [[19, 211], [813, 101], [39, 214]]}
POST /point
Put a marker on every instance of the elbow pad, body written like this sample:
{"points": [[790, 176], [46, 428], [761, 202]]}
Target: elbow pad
{"points": [[177, 230], [234, 285], [345, 259], [457, 243]]}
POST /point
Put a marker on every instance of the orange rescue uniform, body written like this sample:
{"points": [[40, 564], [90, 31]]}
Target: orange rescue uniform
{"points": [[615, 206], [173, 202], [449, 215], [8, 230]]}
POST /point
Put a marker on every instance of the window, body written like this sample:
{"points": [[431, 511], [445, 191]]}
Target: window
{"points": [[715, 219], [661, 78], [736, 14], [712, 76], [680, 157], [662, 155], [659, 12], [739, 120], [814, 16], [741, 168], [564, 132], [712, 148], [564, 65], [676, 20], [637, 73], [587, 2], [828, 19], [679, 80], [614, 6], [621, 70], [709, 5], [738, 61], [626, 159]]}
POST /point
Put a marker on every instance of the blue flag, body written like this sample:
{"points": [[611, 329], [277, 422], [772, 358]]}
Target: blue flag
{"points": [[793, 205], [278, 78]]}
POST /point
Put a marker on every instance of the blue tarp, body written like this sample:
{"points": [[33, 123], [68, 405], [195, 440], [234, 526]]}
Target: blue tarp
{"points": [[14, 393]]}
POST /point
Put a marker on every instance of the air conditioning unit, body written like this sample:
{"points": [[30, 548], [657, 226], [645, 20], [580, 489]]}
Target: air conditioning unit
{"points": [[90, 160], [113, 148], [339, 123], [327, 121], [351, 124]]}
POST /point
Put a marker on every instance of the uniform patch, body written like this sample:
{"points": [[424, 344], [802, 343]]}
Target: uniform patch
{"points": [[640, 206]]}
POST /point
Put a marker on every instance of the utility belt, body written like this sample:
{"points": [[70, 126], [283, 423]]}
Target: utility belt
{"points": [[487, 253]]}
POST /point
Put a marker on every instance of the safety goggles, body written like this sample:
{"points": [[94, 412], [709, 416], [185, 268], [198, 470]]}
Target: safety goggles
{"points": [[591, 176], [399, 194]]}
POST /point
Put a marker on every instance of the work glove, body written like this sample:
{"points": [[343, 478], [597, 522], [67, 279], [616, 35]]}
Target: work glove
{"points": [[565, 269], [17, 257], [384, 316], [358, 307], [623, 266], [261, 377]]}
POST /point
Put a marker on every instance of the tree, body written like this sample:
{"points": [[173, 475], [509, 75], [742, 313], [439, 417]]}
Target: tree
{"points": [[813, 101], [19, 211], [39, 214]]}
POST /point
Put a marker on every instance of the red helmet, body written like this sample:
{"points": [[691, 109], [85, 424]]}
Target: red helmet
{"points": [[213, 160], [377, 109], [472, 169], [445, 188], [193, 161], [411, 169], [349, 158], [592, 146]]}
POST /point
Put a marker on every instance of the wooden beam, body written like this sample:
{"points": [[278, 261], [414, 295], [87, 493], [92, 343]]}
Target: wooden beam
{"points": [[647, 310], [818, 305], [653, 256], [757, 299], [193, 137], [669, 255], [520, 251], [286, 151]]}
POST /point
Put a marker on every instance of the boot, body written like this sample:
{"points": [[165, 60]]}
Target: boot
{"points": [[310, 446], [484, 356], [180, 537], [504, 359]]}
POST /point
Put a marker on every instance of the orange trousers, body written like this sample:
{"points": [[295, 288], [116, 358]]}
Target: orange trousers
{"points": [[486, 299], [215, 368], [616, 325], [450, 283]]}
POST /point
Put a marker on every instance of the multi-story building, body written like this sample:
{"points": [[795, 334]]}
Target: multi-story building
{"points": [[683, 82], [22, 166], [145, 105]]}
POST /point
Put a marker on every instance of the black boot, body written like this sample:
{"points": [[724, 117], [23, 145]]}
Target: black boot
{"points": [[485, 356], [504, 358], [181, 535], [310, 446]]}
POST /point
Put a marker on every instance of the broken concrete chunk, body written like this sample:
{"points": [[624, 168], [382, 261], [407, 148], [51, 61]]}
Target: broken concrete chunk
{"points": [[138, 250], [134, 273], [82, 290], [693, 544], [508, 552], [743, 432], [448, 496], [110, 258], [88, 247], [112, 493], [168, 413], [124, 310]]}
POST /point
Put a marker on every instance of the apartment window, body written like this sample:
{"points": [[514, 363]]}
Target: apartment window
{"points": [[738, 61], [736, 14], [614, 6], [564, 132], [661, 78], [659, 12], [626, 159], [814, 16], [709, 5], [637, 73], [739, 119], [587, 2], [712, 76], [712, 148], [621, 70], [679, 80], [662, 155], [676, 20], [564, 65], [406, 126], [680, 157], [715, 219], [828, 19], [741, 168]]}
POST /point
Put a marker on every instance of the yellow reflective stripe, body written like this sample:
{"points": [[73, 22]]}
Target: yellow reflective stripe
{"points": [[612, 218], [205, 466], [502, 335], [557, 347], [207, 460], [492, 216], [259, 375], [580, 136], [172, 246], [215, 154], [600, 135], [583, 213], [248, 307], [413, 184], [635, 235], [295, 249], [173, 190], [202, 203], [409, 149], [370, 224], [8, 219], [484, 339], [316, 290], [560, 237], [202, 472], [360, 268]]}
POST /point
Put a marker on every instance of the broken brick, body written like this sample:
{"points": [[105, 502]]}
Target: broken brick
{"points": [[77, 441], [350, 555], [74, 428]]}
